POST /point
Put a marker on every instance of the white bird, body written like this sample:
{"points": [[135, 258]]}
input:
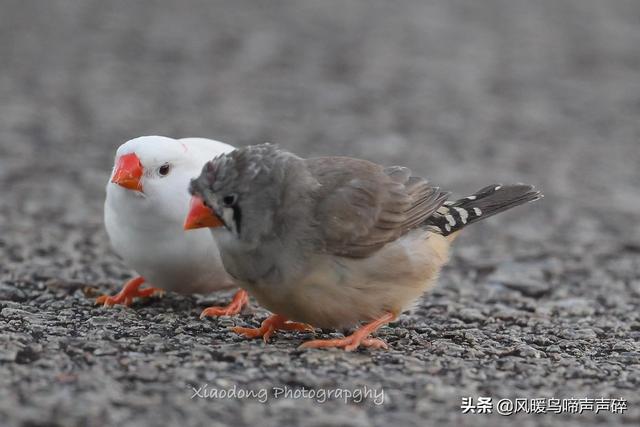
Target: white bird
{"points": [[147, 201]]}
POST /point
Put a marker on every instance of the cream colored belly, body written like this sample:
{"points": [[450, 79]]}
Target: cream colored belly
{"points": [[341, 292]]}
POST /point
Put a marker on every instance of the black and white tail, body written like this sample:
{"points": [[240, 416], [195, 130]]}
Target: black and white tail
{"points": [[454, 215]]}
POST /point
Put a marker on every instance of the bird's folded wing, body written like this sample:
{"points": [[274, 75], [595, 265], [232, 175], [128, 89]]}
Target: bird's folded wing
{"points": [[363, 206]]}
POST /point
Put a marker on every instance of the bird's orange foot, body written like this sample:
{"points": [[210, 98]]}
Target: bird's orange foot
{"points": [[348, 343], [129, 291], [359, 338], [270, 325], [240, 299]]}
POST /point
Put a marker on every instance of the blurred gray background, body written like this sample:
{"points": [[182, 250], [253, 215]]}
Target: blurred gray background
{"points": [[540, 302]]}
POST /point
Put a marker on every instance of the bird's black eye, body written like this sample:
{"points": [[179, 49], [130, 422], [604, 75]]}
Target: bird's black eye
{"points": [[164, 169], [230, 199]]}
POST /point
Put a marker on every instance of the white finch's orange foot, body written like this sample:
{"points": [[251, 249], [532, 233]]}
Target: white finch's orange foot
{"points": [[359, 338], [270, 325], [129, 291], [240, 299]]}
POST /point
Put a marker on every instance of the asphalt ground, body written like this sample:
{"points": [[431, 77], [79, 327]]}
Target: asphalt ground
{"points": [[537, 303]]}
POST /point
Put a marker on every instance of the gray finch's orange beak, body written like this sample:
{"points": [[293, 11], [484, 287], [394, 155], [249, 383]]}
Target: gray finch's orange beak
{"points": [[128, 172], [200, 216]]}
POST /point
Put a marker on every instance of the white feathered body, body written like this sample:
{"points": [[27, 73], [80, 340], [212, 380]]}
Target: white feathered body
{"points": [[146, 229]]}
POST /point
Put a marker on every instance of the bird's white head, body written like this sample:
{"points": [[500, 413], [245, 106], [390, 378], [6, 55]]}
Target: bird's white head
{"points": [[159, 168]]}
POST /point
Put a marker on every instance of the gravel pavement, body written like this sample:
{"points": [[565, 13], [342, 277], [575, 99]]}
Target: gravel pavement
{"points": [[540, 302]]}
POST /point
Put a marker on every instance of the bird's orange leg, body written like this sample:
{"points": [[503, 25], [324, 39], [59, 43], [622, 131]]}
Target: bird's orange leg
{"points": [[356, 339], [240, 299], [270, 325], [129, 291]]}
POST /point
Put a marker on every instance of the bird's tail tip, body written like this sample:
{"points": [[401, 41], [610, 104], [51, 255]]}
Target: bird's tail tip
{"points": [[488, 201]]}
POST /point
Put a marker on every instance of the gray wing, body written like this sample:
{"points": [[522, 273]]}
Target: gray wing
{"points": [[362, 206]]}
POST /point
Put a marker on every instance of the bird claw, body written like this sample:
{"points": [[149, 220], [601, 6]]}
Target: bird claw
{"points": [[129, 291], [107, 301], [240, 299], [270, 325], [252, 333], [348, 343], [359, 338], [297, 326]]}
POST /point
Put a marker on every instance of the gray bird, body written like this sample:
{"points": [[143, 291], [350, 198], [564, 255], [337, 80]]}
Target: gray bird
{"points": [[333, 241]]}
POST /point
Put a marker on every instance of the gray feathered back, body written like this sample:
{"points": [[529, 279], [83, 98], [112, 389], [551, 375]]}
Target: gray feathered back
{"points": [[362, 206]]}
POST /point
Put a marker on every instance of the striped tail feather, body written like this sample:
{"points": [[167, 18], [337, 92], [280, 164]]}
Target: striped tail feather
{"points": [[454, 215]]}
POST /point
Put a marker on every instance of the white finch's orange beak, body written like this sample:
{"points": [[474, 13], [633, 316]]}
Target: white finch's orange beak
{"points": [[128, 172], [200, 216]]}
